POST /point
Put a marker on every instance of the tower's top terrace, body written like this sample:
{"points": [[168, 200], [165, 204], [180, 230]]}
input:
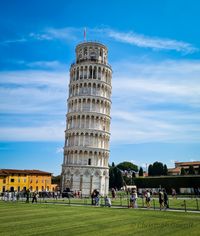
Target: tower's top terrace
{"points": [[91, 51]]}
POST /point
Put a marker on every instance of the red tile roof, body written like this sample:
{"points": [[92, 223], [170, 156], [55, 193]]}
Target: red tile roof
{"points": [[2, 173], [28, 172], [174, 170], [194, 163]]}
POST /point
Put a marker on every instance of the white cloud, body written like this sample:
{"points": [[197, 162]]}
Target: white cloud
{"points": [[140, 40], [22, 40], [156, 102], [56, 65], [152, 102], [193, 160], [52, 132], [167, 81], [33, 91], [73, 34], [40, 36], [59, 150], [56, 79], [67, 33], [38, 99]]}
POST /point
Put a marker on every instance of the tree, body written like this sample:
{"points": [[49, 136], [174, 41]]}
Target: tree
{"points": [[127, 166], [111, 178], [56, 180], [191, 170], [157, 169], [115, 178], [133, 175], [198, 170], [132, 179], [150, 170], [183, 171], [165, 170], [141, 171], [119, 182], [127, 180]]}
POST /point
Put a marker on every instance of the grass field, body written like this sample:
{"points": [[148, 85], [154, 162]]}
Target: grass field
{"points": [[41, 219]]}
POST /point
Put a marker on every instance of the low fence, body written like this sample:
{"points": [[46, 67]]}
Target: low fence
{"points": [[185, 204]]}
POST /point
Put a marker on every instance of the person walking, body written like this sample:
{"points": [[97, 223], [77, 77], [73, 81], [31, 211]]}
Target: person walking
{"points": [[27, 195], [96, 198], [148, 198], [161, 199], [34, 199], [173, 193], [93, 195], [113, 192], [133, 199], [166, 200]]}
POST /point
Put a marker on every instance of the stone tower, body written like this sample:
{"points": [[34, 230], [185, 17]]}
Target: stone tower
{"points": [[87, 135]]}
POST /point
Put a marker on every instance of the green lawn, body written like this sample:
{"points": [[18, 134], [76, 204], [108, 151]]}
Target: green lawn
{"points": [[41, 219]]}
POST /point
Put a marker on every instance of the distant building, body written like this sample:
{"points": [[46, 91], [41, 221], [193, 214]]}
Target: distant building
{"points": [[145, 174], [174, 171], [185, 165], [21, 180], [129, 173]]}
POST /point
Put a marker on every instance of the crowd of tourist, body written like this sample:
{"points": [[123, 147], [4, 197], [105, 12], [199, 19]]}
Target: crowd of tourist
{"points": [[132, 194], [27, 195]]}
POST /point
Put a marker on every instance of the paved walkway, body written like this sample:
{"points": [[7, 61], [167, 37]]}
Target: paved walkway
{"points": [[124, 207]]}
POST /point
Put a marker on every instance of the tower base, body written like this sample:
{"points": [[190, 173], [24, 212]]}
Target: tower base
{"points": [[85, 179]]}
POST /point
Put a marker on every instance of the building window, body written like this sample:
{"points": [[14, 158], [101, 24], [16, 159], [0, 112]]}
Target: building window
{"points": [[89, 162], [101, 52], [18, 189], [24, 180], [85, 51], [12, 180], [12, 189], [18, 180], [4, 181]]}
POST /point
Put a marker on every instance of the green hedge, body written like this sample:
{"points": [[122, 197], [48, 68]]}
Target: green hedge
{"points": [[168, 182]]}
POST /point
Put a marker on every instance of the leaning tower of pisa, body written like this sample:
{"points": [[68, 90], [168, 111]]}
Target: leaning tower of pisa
{"points": [[87, 135]]}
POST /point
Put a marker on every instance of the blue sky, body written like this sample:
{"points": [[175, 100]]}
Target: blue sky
{"points": [[154, 51]]}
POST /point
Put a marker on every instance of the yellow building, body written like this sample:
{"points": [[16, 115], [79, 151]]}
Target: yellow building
{"points": [[21, 180]]}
